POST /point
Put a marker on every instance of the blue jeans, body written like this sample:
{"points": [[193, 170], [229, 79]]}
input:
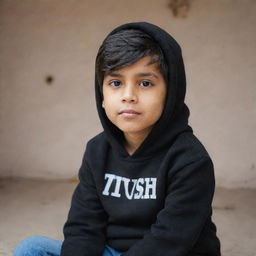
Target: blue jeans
{"points": [[44, 246]]}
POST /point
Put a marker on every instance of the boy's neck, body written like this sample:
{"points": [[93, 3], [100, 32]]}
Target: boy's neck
{"points": [[134, 140]]}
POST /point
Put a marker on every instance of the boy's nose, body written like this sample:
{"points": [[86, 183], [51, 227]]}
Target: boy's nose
{"points": [[129, 94]]}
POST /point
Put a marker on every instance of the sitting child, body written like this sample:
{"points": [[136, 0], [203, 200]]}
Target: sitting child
{"points": [[146, 182]]}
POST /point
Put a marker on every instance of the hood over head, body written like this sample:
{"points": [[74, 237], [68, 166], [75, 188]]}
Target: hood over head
{"points": [[174, 119]]}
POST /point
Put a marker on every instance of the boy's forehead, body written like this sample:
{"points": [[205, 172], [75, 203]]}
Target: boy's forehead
{"points": [[144, 66], [141, 74]]}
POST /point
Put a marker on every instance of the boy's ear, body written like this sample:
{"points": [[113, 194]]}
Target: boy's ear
{"points": [[103, 105]]}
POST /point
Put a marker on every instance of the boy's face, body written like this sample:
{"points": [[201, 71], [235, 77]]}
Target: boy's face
{"points": [[134, 97]]}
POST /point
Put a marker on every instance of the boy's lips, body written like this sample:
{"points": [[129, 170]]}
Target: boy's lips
{"points": [[128, 113]]}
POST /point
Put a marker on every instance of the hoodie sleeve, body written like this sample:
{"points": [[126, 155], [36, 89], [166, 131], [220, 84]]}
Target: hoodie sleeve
{"points": [[84, 229], [187, 208]]}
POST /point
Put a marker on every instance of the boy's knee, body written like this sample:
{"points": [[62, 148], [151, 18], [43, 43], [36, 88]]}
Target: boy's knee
{"points": [[30, 246]]}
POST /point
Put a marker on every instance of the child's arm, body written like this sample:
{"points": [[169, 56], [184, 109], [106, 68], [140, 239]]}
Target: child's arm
{"points": [[187, 208], [84, 229]]}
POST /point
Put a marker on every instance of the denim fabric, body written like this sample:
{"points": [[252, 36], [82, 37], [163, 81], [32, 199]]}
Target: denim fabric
{"points": [[45, 246]]}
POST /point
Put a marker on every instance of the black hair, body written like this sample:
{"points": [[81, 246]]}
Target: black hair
{"points": [[125, 48]]}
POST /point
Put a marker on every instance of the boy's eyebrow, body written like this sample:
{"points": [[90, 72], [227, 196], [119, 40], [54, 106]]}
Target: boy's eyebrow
{"points": [[138, 74]]}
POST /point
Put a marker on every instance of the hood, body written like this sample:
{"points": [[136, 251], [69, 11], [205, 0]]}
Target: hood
{"points": [[174, 119]]}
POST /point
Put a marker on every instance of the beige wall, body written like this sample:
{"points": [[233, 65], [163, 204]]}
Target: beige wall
{"points": [[44, 127]]}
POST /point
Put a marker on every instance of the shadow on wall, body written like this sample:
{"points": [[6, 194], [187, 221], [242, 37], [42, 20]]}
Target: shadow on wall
{"points": [[180, 8]]}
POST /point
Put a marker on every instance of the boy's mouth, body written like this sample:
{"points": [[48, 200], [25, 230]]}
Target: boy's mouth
{"points": [[128, 113]]}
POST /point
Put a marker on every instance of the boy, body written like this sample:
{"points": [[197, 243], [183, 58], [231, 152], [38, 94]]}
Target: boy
{"points": [[146, 182]]}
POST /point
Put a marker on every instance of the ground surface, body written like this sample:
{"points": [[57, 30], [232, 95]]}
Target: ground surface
{"points": [[38, 207]]}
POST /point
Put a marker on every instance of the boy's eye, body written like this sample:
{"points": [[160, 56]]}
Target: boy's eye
{"points": [[145, 83], [115, 83]]}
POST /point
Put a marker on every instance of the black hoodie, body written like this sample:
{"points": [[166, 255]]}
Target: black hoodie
{"points": [[157, 201]]}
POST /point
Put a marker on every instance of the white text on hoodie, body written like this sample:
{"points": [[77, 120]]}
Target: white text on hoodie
{"points": [[142, 188]]}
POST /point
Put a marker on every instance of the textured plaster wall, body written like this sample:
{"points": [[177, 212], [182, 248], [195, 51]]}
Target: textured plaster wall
{"points": [[45, 126]]}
